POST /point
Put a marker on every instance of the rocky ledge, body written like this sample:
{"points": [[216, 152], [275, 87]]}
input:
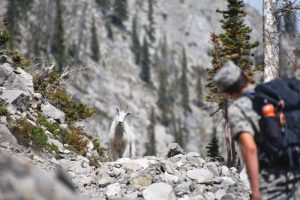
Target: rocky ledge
{"points": [[184, 176]]}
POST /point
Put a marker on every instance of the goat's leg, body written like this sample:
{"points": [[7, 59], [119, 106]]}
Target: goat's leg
{"points": [[114, 154], [131, 150], [120, 153]]}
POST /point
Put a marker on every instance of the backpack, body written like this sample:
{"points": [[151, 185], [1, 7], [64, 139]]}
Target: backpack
{"points": [[278, 104]]}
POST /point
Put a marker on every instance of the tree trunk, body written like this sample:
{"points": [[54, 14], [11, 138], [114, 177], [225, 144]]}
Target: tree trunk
{"points": [[230, 146], [271, 41]]}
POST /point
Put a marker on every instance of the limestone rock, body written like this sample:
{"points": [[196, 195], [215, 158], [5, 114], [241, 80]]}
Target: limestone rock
{"points": [[173, 150], [7, 136], [11, 95], [141, 181], [19, 180], [57, 143], [19, 80], [201, 175], [159, 191], [4, 59], [113, 191], [104, 181], [53, 112], [213, 168], [225, 171], [131, 196], [132, 167], [5, 72], [220, 193]]}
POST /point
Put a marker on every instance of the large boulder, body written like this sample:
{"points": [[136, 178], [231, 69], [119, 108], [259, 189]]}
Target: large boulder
{"points": [[5, 59], [18, 98], [113, 191], [19, 80], [51, 111], [6, 135], [20, 180], [5, 72], [201, 175], [173, 150], [159, 191]]}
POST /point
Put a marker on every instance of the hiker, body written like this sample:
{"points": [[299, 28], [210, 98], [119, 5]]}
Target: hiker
{"points": [[272, 183]]}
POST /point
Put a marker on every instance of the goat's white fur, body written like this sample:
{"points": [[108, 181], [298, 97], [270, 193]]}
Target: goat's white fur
{"points": [[121, 137]]}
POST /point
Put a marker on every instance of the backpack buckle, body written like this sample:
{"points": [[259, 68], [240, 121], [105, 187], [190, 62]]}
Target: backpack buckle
{"points": [[281, 114]]}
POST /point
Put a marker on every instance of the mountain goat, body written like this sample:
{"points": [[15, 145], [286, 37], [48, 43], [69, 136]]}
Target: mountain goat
{"points": [[121, 137]]}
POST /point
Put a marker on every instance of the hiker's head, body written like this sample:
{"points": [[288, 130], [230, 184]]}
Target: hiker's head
{"points": [[231, 80]]}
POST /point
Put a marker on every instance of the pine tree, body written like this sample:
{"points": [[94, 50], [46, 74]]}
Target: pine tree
{"points": [[213, 149], [110, 33], [16, 10], [58, 44], [290, 22], [4, 36], [184, 89], [164, 101], [151, 32], [199, 87], [233, 44], [178, 131], [120, 11], [145, 73], [136, 46], [94, 43], [218, 60], [12, 18], [105, 4], [73, 52], [236, 44], [150, 148]]}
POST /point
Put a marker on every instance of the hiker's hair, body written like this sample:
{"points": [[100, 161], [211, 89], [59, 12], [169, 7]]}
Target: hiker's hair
{"points": [[238, 85], [121, 136]]}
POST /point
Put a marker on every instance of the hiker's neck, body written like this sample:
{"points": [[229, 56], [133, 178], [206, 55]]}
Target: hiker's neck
{"points": [[248, 86], [237, 95]]}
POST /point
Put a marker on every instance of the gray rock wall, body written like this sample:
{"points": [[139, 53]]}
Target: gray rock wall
{"points": [[115, 79]]}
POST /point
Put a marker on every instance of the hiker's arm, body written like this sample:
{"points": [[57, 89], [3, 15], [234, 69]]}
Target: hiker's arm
{"points": [[249, 152]]}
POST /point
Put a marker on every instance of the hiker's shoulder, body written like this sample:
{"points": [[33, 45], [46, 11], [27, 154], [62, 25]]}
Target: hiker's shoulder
{"points": [[243, 103]]}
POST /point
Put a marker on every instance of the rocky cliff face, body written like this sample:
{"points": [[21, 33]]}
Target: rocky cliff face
{"points": [[115, 79]]}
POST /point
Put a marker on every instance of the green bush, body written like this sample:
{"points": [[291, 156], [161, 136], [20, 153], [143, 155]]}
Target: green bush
{"points": [[52, 148], [75, 136], [18, 60], [38, 137], [22, 131], [77, 141], [3, 110], [30, 135], [97, 146], [51, 127], [4, 37], [59, 97]]}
